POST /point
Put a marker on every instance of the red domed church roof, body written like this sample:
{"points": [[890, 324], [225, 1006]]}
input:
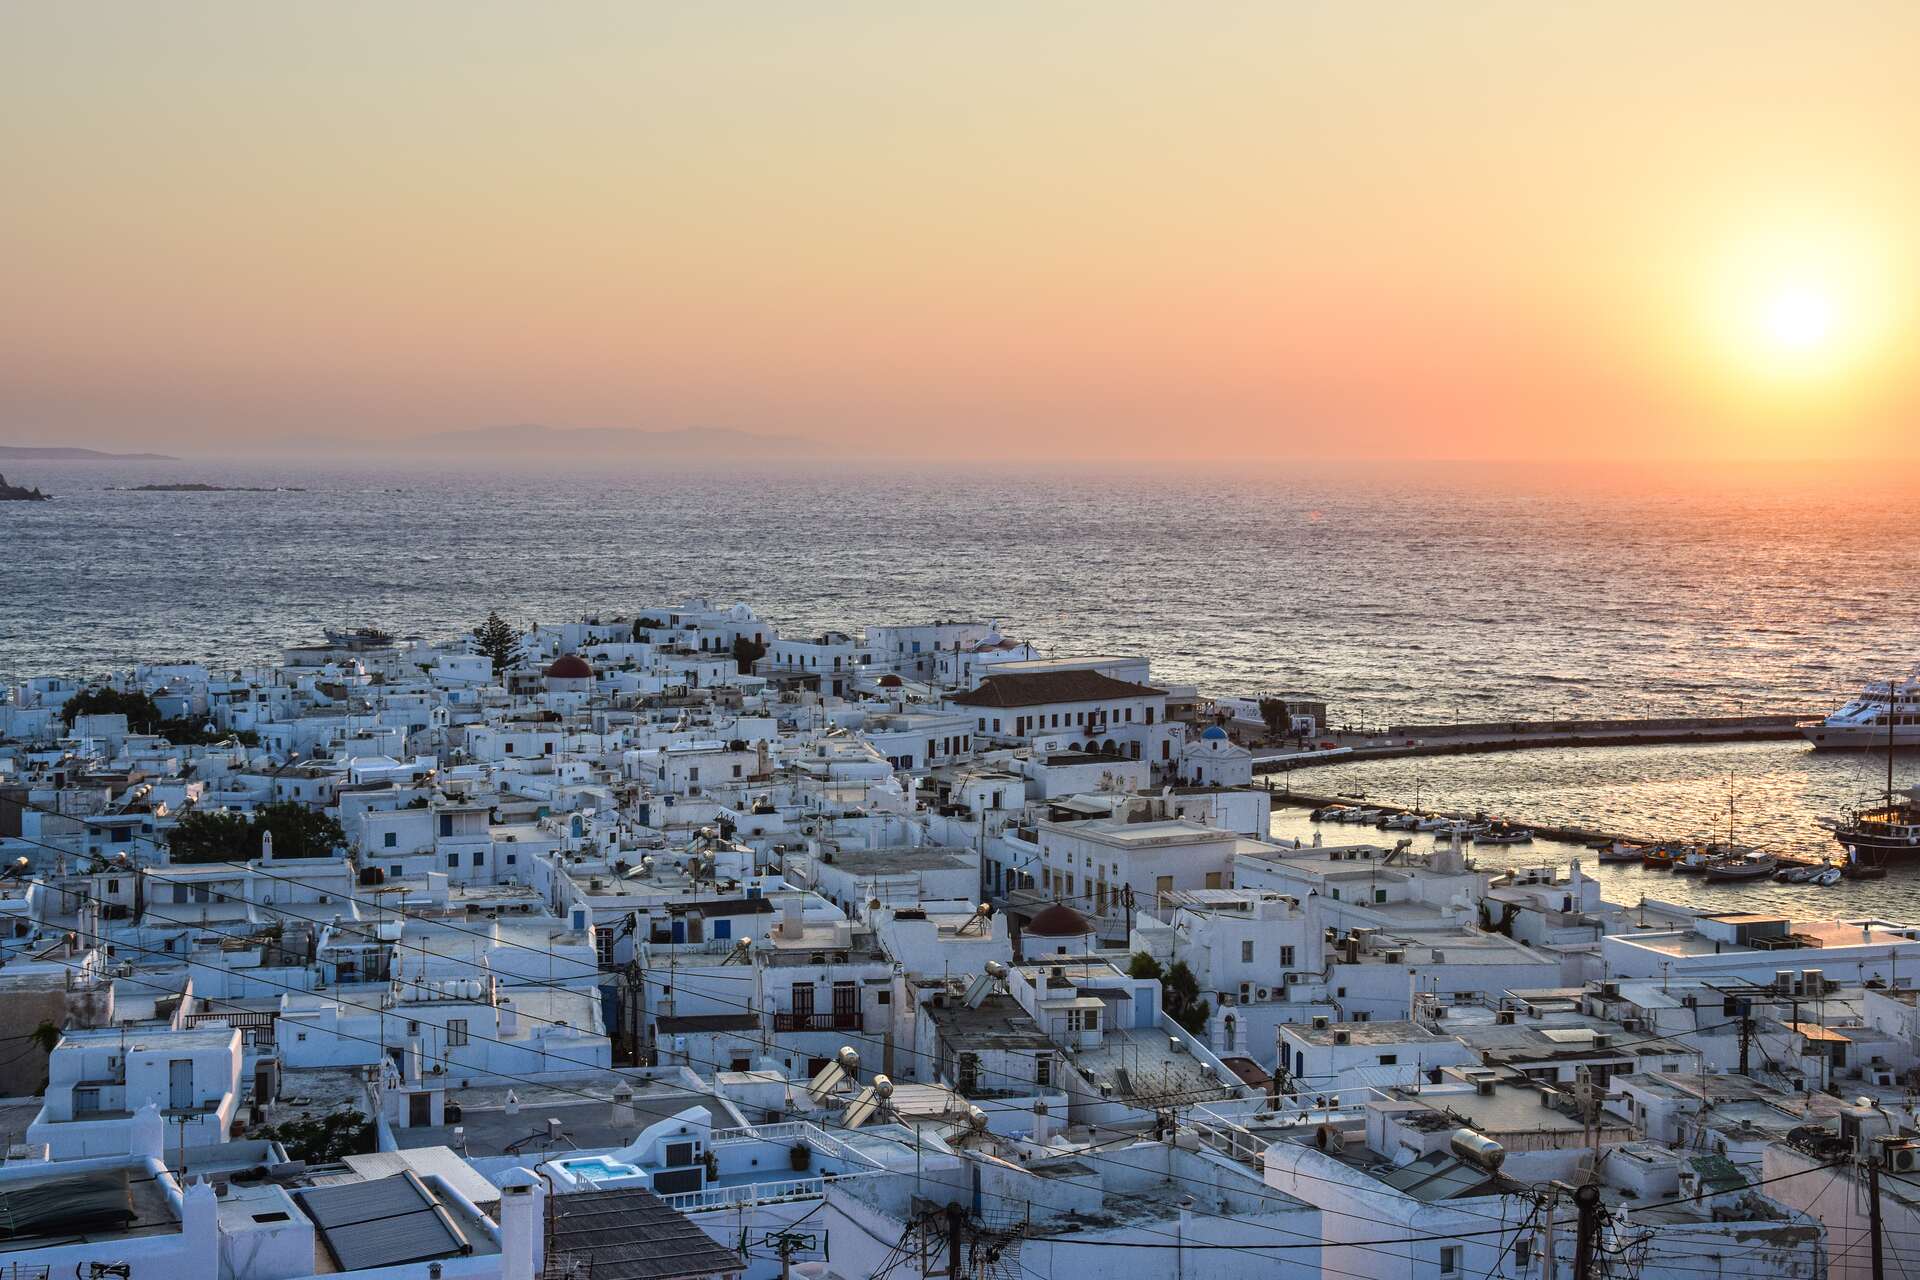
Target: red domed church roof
{"points": [[1058, 921], [570, 666]]}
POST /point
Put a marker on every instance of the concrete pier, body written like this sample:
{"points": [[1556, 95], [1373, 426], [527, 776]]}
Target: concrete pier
{"points": [[1284, 799], [1520, 735]]}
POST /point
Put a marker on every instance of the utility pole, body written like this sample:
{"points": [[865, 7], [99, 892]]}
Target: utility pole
{"points": [[1873, 1213], [1586, 1199], [786, 1244], [1549, 1265], [956, 1219]]}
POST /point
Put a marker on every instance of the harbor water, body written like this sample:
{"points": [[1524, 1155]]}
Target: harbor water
{"points": [[1778, 790]]}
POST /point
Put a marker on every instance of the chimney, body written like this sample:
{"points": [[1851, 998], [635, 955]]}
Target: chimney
{"points": [[200, 1230], [149, 1133], [521, 1223], [790, 922], [266, 846], [624, 1116]]}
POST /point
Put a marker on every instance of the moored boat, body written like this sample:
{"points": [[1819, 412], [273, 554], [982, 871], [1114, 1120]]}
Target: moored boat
{"points": [[1693, 862], [1658, 858], [1890, 829], [1884, 714], [1735, 868], [1621, 851]]}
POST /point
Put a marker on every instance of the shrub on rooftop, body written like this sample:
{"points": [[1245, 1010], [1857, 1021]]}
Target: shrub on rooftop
{"points": [[224, 836], [139, 709], [323, 1139]]}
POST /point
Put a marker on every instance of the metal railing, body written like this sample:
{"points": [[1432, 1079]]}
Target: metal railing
{"points": [[793, 1131], [746, 1192], [831, 1021]]}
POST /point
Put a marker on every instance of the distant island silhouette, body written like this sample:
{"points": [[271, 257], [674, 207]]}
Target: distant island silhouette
{"points": [[14, 493], [197, 486], [61, 453]]}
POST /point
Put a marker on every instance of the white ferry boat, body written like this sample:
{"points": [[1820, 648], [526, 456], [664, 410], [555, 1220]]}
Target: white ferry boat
{"points": [[1863, 722]]}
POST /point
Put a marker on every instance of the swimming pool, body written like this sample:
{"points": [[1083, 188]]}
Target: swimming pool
{"points": [[601, 1170]]}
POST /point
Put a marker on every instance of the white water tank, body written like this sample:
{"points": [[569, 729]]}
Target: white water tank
{"points": [[1478, 1150]]}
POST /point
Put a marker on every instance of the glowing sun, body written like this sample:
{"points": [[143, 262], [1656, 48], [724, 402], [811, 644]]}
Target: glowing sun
{"points": [[1799, 319]]}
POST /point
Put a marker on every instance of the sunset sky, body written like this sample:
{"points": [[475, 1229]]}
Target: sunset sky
{"points": [[1272, 230]]}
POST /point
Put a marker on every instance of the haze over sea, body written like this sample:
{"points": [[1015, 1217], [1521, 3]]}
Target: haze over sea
{"points": [[1453, 593]]}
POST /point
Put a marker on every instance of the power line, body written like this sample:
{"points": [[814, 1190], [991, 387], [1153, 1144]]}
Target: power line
{"points": [[245, 867], [594, 1067], [492, 939]]}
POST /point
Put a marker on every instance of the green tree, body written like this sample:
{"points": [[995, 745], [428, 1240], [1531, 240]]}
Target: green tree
{"points": [[747, 652], [641, 626], [1180, 993], [215, 835], [223, 836], [1143, 965], [298, 832], [143, 716], [498, 641], [324, 1139], [45, 1037], [139, 709]]}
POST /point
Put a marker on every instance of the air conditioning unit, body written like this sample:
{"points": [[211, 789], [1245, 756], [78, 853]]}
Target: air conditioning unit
{"points": [[1266, 993], [1503, 1018], [1321, 1021], [1904, 1158], [1610, 990], [1439, 1013], [1633, 1024], [1343, 1036], [1601, 1040]]}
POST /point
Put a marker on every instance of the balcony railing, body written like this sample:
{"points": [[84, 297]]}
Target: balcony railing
{"points": [[818, 1022], [745, 1193]]}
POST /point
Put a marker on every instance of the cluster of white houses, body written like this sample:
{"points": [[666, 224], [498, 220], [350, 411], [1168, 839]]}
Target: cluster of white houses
{"points": [[670, 946]]}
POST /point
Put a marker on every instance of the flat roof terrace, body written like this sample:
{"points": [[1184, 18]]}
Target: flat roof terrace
{"points": [[1814, 936]]}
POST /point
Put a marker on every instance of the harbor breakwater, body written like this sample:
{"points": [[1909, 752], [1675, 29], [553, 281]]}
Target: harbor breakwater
{"points": [[1520, 735]]}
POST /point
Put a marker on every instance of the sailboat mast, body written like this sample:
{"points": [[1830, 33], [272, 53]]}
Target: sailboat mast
{"points": [[1729, 811], [1889, 741]]}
